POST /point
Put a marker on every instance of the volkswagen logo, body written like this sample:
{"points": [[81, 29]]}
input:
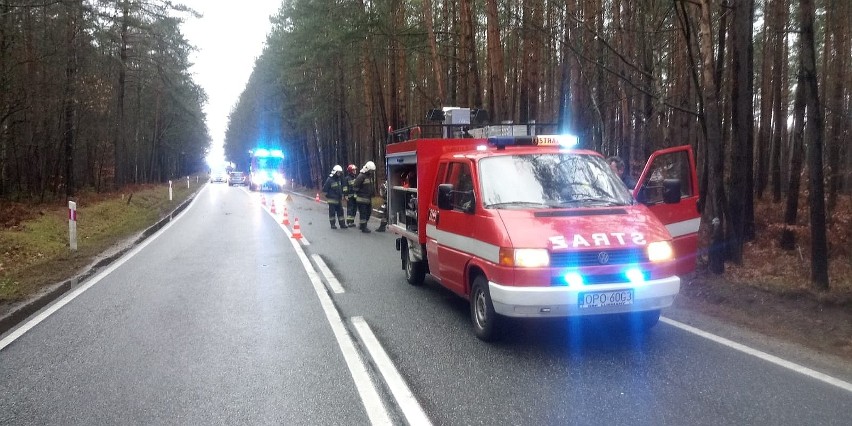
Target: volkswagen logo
{"points": [[603, 258]]}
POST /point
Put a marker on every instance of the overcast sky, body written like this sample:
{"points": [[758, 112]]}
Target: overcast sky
{"points": [[229, 37]]}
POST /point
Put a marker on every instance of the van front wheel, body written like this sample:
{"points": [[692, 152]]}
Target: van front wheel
{"points": [[485, 319]]}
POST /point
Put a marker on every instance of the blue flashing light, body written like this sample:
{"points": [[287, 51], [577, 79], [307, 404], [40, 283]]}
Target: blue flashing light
{"points": [[635, 275], [574, 279], [261, 152], [568, 141], [277, 153]]}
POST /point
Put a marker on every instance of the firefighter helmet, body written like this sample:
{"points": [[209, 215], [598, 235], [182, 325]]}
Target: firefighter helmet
{"points": [[351, 168]]}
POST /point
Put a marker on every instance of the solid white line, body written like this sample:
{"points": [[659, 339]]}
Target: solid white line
{"points": [[51, 309], [414, 414], [376, 410], [303, 241], [329, 277], [762, 355]]}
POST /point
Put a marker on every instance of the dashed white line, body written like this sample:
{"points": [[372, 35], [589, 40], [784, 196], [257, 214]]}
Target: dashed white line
{"points": [[329, 276], [376, 410], [405, 399], [762, 355]]}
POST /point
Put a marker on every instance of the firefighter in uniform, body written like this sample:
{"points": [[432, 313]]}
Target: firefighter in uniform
{"points": [[364, 188], [349, 192], [333, 190]]}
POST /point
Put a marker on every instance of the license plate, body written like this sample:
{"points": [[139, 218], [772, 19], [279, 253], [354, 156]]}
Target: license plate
{"points": [[597, 299]]}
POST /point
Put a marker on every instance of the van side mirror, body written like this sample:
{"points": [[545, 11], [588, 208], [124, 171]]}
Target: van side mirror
{"points": [[671, 191], [445, 198]]}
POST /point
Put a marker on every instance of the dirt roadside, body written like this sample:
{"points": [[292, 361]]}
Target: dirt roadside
{"points": [[816, 321]]}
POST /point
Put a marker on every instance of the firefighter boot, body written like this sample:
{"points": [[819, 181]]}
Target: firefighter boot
{"points": [[382, 226], [333, 226], [364, 228], [343, 225]]}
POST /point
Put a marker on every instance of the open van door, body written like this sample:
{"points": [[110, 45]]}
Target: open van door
{"points": [[669, 187]]}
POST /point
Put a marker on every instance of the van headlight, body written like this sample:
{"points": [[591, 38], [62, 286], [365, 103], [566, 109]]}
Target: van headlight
{"points": [[524, 258], [660, 251]]}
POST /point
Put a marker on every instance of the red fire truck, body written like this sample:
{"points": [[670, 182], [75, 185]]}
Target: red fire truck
{"points": [[530, 226]]}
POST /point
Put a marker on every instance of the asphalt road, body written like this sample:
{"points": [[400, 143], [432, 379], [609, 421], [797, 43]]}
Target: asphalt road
{"points": [[222, 318]]}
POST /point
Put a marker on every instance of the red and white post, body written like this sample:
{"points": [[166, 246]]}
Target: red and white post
{"points": [[72, 225]]}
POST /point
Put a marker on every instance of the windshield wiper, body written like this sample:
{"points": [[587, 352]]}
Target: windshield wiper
{"points": [[591, 200], [517, 204]]}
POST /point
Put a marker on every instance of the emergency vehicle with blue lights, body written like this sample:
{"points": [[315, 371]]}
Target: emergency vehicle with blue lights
{"points": [[531, 226], [266, 170]]}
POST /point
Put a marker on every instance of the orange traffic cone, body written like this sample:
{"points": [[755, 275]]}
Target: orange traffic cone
{"points": [[317, 197], [272, 207], [286, 220], [262, 200], [297, 230]]}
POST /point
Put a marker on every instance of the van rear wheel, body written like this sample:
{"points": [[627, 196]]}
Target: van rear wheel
{"points": [[415, 271], [485, 319]]}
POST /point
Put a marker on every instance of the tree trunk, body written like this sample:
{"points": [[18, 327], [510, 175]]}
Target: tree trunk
{"points": [[496, 74], [837, 115], [120, 145], [739, 188], [437, 68], [69, 103], [791, 210], [713, 135], [779, 116], [819, 245], [765, 130]]}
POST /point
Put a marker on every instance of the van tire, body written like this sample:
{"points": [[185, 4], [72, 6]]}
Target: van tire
{"points": [[415, 272], [486, 321]]}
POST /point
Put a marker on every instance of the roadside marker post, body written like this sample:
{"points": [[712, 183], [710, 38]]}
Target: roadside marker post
{"points": [[72, 225], [170, 191], [187, 182]]}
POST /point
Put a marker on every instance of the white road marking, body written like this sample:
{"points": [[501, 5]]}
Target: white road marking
{"points": [[302, 240], [376, 410], [51, 309], [762, 355], [411, 409], [329, 277]]}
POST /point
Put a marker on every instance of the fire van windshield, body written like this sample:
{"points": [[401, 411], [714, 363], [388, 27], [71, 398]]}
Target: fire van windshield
{"points": [[550, 181]]}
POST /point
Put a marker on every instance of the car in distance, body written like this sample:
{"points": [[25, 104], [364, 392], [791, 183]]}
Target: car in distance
{"points": [[236, 178], [218, 176]]}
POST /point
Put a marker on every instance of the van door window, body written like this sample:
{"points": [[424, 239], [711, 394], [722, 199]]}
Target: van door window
{"points": [[460, 177], [670, 167]]}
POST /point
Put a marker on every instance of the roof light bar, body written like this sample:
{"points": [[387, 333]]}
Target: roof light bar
{"points": [[565, 141]]}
